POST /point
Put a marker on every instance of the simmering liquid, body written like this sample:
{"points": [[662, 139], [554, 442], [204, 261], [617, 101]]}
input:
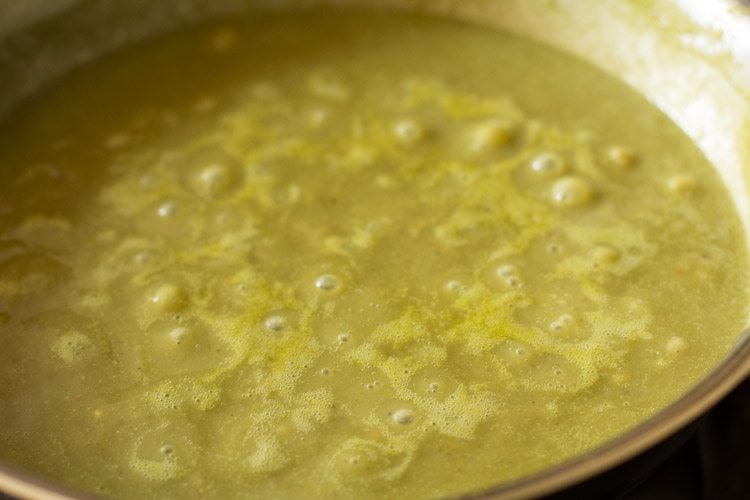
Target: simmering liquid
{"points": [[347, 255]]}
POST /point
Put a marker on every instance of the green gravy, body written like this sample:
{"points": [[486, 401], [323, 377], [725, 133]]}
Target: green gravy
{"points": [[347, 255]]}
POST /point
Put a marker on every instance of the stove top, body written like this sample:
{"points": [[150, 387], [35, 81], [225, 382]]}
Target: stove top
{"points": [[712, 465]]}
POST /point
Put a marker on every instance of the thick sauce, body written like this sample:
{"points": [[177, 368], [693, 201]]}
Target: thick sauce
{"points": [[347, 255]]}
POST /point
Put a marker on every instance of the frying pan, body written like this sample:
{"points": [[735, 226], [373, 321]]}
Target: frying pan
{"points": [[691, 58]]}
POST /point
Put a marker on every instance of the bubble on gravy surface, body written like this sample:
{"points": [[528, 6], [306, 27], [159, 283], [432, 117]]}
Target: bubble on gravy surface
{"points": [[326, 270]]}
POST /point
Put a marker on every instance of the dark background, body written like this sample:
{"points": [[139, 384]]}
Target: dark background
{"points": [[715, 462]]}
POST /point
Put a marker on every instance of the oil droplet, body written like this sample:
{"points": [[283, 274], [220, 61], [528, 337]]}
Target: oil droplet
{"points": [[166, 209], [682, 184], [548, 164], [408, 132], [402, 416], [492, 135], [572, 192], [622, 156], [167, 298], [213, 179], [604, 255], [507, 270], [142, 257], [326, 282], [275, 323], [179, 334]]}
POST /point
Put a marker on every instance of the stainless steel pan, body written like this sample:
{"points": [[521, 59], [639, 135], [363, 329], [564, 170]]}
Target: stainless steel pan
{"points": [[689, 57]]}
